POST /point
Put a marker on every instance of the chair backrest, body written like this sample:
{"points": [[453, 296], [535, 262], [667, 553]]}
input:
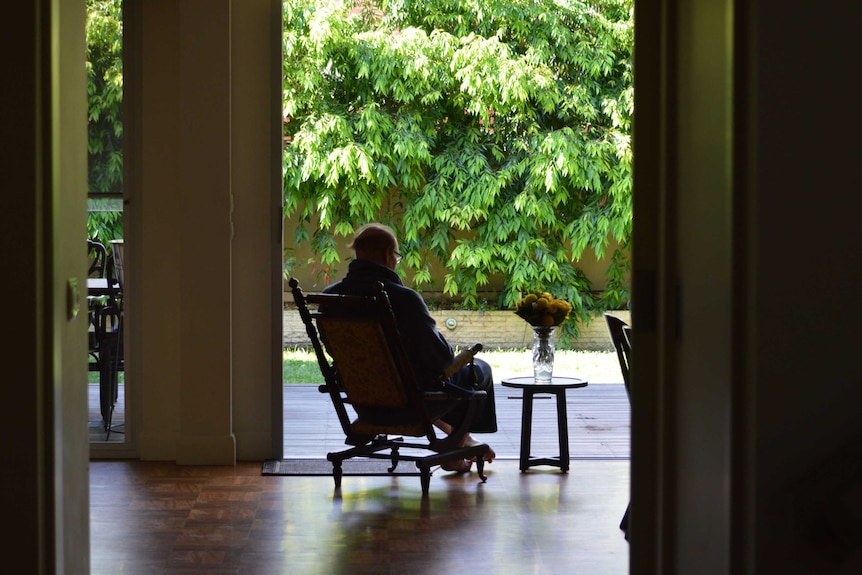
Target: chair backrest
{"points": [[117, 251], [98, 256], [622, 345], [359, 350], [115, 288]]}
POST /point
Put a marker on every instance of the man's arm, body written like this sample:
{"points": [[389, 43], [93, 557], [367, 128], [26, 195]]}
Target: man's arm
{"points": [[423, 342]]}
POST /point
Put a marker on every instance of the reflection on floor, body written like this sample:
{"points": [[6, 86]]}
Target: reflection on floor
{"points": [[162, 518]]}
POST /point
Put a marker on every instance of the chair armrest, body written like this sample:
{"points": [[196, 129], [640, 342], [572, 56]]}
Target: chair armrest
{"points": [[454, 392], [324, 388], [461, 360]]}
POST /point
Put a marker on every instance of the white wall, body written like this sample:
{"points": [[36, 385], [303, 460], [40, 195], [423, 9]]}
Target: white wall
{"points": [[256, 247], [204, 281]]}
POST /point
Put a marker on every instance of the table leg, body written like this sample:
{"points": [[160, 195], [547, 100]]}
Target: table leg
{"points": [[526, 428], [563, 429]]}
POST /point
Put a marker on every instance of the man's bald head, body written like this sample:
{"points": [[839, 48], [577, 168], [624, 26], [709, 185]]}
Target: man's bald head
{"points": [[375, 243]]}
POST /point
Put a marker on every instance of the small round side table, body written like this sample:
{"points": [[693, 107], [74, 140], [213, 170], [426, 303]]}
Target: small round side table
{"points": [[556, 387]]}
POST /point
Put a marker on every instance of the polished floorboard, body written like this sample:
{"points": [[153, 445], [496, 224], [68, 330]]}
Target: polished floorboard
{"points": [[161, 518]]}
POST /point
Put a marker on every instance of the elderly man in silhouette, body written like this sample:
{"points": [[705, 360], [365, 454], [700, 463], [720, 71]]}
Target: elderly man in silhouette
{"points": [[376, 250]]}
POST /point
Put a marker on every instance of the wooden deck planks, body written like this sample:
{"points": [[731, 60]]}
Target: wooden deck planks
{"points": [[599, 423], [598, 417]]}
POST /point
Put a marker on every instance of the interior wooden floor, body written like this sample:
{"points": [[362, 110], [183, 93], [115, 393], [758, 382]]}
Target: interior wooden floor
{"points": [[157, 517]]}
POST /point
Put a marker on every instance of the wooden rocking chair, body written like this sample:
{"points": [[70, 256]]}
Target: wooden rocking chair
{"points": [[359, 350]]}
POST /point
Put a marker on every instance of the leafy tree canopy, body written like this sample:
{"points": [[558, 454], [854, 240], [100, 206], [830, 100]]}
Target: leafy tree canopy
{"points": [[104, 112], [493, 135]]}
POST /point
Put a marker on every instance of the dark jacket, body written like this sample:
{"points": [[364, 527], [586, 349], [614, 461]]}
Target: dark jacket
{"points": [[427, 349]]}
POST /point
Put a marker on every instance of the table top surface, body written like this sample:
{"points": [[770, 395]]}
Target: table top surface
{"points": [[556, 382], [99, 286]]}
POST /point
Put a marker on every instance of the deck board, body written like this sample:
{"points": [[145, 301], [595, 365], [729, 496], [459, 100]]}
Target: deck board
{"points": [[599, 423], [598, 418]]}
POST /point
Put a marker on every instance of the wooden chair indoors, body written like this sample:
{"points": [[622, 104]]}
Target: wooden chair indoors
{"points": [[621, 338], [372, 386]]}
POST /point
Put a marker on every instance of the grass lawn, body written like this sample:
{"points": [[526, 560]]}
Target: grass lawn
{"points": [[300, 366], [93, 377]]}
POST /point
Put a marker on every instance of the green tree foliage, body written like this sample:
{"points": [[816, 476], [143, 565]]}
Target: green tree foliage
{"points": [[493, 135], [104, 112]]}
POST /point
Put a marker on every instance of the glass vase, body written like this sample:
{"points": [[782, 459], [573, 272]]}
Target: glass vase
{"points": [[543, 354]]}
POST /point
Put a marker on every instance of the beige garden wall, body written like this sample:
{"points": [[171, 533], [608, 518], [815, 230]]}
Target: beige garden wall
{"points": [[497, 329], [493, 329], [314, 277]]}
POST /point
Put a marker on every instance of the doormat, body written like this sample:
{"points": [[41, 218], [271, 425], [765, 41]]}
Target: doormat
{"points": [[311, 467]]}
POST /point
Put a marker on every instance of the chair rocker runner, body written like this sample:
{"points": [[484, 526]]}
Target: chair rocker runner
{"points": [[365, 366]]}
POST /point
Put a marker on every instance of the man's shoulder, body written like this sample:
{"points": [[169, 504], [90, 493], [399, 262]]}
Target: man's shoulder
{"points": [[405, 298], [351, 287], [404, 291], [398, 293]]}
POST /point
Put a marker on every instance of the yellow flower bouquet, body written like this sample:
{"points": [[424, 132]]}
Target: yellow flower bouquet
{"points": [[541, 309]]}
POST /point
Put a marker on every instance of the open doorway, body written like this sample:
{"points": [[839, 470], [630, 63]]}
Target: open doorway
{"points": [[106, 299], [500, 175]]}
